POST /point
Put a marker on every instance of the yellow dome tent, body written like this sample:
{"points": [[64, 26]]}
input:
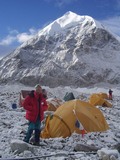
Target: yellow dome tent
{"points": [[103, 95], [74, 116], [98, 99]]}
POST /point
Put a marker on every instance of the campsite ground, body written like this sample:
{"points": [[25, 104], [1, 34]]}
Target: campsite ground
{"points": [[13, 126]]}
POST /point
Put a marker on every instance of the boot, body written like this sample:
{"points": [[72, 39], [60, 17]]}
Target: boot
{"points": [[37, 137]]}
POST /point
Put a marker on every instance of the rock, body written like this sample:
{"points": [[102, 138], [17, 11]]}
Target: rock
{"points": [[27, 153], [105, 154], [85, 148], [105, 157], [56, 146], [20, 146], [112, 157], [117, 146]]}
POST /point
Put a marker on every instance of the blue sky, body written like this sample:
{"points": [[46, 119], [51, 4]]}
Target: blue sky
{"points": [[21, 19]]}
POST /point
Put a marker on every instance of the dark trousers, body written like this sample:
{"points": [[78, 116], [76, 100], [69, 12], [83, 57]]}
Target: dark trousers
{"points": [[33, 126]]}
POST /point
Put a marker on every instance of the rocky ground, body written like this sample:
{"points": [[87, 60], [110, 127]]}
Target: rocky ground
{"points": [[92, 146]]}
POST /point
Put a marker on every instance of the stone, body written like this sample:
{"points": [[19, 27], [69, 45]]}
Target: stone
{"points": [[19, 146]]}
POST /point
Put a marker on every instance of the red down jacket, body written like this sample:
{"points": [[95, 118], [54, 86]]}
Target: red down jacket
{"points": [[30, 104]]}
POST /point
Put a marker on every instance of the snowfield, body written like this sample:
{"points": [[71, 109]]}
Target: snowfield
{"points": [[95, 146]]}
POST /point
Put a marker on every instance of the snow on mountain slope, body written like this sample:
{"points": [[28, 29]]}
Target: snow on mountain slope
{"points": [[68, 20], [73, 50]]}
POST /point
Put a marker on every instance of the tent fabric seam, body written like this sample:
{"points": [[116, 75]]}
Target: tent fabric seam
{"points": [[63, 122]]}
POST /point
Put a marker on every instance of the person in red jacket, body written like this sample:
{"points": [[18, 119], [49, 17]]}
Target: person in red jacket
{"points": [[35, 105]]}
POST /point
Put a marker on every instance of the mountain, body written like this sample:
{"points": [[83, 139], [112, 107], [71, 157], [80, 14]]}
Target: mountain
{"points": [[73, 50]]}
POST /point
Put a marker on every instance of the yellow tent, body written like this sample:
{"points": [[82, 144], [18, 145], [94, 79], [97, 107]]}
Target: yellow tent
{"points": [[65, 119], [103, 95], [97, 99]]}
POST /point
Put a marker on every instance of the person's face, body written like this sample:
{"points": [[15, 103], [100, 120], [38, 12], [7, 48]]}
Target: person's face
{"points": [[38, 89]]}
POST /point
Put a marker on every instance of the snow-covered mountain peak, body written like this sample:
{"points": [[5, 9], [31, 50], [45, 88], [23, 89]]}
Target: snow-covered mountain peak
{"points": [[72, 50], [64, 23], [69, 19]]}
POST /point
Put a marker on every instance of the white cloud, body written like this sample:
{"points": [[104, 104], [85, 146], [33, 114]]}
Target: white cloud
{"points": [[32, 31], [61, 3], [15, 36], [113, 24], [12, 32], [7, 40], [21, 38]]}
